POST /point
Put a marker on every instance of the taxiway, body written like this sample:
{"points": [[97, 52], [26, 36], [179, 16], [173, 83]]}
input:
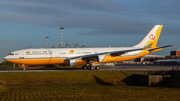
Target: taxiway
{"points": [[126, 67]]}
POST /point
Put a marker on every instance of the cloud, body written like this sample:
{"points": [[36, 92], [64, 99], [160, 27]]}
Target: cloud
{"points": [[51, 14], [3, 42], [101, 17]]}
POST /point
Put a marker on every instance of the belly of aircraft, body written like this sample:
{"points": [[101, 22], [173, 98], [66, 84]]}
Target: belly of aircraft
{"points": [[42, 61]]}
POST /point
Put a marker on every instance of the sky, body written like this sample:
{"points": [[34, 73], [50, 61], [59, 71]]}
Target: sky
{"points": [[26, 23]]}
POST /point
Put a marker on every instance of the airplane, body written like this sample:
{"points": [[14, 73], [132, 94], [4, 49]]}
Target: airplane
{"points": [[88, 58]]}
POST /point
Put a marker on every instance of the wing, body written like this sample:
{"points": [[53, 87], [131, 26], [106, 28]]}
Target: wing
{"points": [[100, 56], [115, 53]]}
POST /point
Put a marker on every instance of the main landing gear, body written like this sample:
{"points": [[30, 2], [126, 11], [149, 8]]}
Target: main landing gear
{"points": [[91, 67]]}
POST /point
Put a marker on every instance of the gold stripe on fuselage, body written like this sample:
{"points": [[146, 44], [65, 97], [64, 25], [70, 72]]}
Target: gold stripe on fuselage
{"points": [[40, 61]]}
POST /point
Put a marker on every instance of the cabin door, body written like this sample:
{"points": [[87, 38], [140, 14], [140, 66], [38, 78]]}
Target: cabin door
{"points": [[21, 55]]}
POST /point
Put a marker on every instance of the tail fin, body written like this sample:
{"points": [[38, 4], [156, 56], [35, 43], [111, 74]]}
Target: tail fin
{"points": [[151, 38]]}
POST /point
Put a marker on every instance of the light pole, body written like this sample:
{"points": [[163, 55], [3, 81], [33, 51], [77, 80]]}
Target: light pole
{"points": [[47, 42], [61, 35]]}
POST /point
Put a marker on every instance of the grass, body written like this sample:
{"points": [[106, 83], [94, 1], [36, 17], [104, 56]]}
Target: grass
{"points": [[62, 78], [86, 86], [3, 89], [91, 93]]}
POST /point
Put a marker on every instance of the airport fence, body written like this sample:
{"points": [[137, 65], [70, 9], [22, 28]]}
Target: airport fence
{"points": [[8, 66]]}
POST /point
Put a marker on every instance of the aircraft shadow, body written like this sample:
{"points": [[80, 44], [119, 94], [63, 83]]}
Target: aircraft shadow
{"points": [[50, 67], [129, 80], [57, 69], [101, 82]]}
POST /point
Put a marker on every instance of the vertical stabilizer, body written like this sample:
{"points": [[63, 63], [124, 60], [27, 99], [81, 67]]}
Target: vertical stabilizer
{"points": [[151, 38]]}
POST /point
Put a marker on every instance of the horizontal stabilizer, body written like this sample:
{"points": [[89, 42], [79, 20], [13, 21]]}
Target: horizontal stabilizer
{"points": [[159, 47]]}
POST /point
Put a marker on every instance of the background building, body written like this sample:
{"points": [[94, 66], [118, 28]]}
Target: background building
{"points": [[175, 54]]}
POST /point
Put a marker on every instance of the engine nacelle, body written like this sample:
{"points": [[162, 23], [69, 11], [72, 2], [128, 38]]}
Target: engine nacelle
{"points": [[101, 58], [77, 62], [106, 58]]}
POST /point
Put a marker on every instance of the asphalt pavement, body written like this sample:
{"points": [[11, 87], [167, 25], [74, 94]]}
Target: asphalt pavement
{"points": [[122, 67]]}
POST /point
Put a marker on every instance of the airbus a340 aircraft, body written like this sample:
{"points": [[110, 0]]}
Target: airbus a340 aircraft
{"points": [[87, 57]]}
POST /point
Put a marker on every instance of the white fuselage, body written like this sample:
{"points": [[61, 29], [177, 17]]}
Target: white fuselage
{"points": [[64, 52]]}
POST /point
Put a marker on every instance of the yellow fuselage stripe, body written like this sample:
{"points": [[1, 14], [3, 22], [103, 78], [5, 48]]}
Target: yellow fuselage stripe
{"points": [[42, 61]]}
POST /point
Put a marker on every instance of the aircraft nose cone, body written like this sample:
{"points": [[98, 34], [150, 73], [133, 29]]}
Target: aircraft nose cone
{"points": [[6, 57]]}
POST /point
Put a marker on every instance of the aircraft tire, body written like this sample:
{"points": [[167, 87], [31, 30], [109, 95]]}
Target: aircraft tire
{"points": [[92, 67], [97, 68], [84, 67], [88, 67]]}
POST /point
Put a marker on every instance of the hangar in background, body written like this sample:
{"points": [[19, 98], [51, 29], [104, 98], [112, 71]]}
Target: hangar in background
{"points": [[149, 59], [174, 58], [175, 54]]}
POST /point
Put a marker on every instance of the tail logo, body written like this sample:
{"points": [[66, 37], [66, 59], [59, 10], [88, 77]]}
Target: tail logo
{"points": [[152, 37]]}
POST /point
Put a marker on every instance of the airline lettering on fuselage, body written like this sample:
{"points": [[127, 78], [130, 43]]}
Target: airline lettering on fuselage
{"points": [[38, 52]]}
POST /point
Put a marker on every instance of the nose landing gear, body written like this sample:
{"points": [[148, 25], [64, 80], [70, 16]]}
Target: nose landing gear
{"points": [[23, 67]]}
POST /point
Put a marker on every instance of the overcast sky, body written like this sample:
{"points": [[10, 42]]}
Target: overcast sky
{"points": [[26, 23]]}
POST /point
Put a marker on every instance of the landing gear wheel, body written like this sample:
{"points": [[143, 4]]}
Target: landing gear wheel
{"points": [[97, 68], [84, 67], [92, 67]]}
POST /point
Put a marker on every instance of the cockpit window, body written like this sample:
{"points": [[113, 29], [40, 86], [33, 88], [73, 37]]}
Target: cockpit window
{"points": [[11, 54]]}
